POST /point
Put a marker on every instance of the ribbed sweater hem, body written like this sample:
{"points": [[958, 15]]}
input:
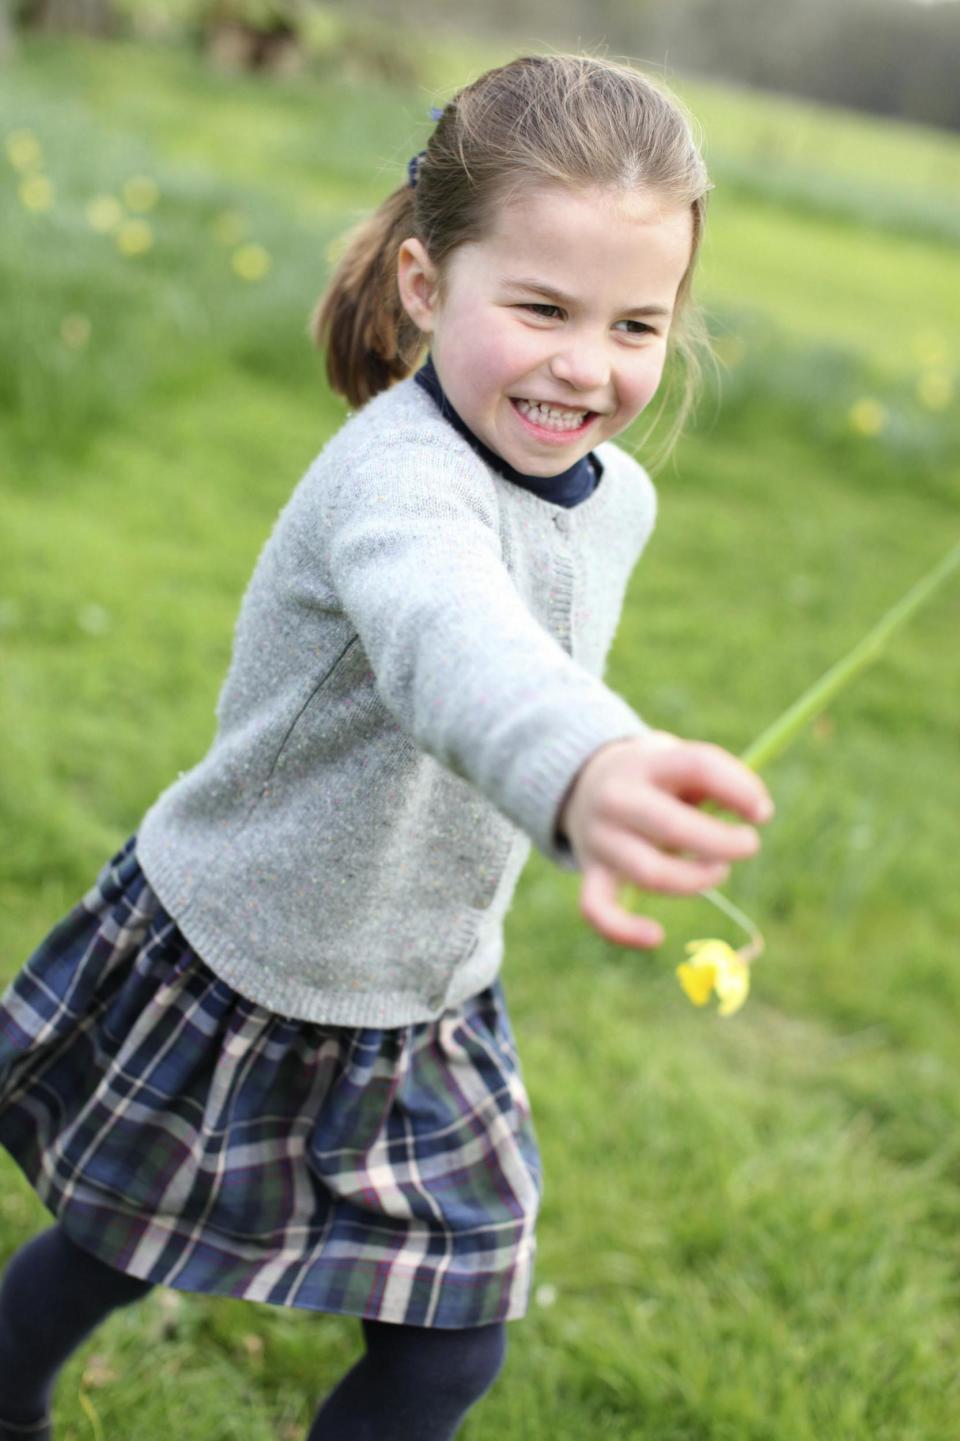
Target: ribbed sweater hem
{"points": [[300, 1000]]}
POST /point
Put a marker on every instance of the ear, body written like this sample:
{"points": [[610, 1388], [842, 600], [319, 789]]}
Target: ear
{"points": [[417, 278]]}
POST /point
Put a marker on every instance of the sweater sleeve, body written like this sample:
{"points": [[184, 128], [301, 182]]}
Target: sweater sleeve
{"points": [[413, 554]]}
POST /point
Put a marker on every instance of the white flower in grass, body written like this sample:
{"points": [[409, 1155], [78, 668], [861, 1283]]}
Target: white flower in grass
{"points": [[98, 1372], [545, 1295]]}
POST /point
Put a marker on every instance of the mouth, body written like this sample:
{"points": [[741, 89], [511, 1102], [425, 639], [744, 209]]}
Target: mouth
{"points": [[553, 421]]}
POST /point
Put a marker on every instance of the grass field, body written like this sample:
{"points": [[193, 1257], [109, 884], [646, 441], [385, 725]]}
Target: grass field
{"points": [[750, 1227]]}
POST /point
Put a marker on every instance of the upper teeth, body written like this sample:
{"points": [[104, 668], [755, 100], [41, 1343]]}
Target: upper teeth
{"points": [[551, 416]]}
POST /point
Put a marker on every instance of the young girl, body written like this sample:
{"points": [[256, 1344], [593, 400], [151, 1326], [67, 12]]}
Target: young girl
{"points": [[267, 1055]]}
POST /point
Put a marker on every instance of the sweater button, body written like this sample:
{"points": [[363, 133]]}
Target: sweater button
{"points": [[435, 1002], [560, 521]]}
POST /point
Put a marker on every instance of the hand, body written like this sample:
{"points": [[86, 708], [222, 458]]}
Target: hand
{"points": [[631, 815]]}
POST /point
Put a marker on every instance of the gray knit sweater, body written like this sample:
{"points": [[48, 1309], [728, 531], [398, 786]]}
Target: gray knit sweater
{"points": [[414, 684]]}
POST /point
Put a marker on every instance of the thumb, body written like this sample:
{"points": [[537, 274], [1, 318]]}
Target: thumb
{"points": [[600, 909]]}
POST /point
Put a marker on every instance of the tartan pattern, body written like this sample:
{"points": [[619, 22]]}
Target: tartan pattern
{"points": [[190, 1137]]}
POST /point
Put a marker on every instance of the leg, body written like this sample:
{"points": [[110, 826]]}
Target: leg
{"points": [[413, 1384], [53, 1295]]}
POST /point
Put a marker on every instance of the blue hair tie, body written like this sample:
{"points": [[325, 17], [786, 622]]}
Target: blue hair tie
{"points": [[413, 164]]}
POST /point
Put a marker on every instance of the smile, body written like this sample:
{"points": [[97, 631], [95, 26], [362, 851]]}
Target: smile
{"points": [[553, 418]]}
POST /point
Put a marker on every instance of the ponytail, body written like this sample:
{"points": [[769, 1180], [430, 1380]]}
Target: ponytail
{"points": [[369, 339]]}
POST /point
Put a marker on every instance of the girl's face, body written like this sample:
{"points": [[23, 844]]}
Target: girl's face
{"points": [[551, 334]]}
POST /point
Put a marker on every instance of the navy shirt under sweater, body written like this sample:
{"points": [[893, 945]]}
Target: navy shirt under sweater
{"points": [[568, 488]]}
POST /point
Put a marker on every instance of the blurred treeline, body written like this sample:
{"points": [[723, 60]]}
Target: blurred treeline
{"points": [[891, 57]]}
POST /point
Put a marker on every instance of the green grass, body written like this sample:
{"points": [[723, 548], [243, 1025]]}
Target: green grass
{"points": [[749, 1227], [905, 177]]}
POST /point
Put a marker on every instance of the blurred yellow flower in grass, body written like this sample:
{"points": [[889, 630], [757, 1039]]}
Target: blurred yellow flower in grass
{"points": [[251, 262], [23, 150], [104, 213], [867, 416], [935, 389], [36, 193], [75, 331], [140, 192], [229, 227], [134, 237], [715, 966], [930, 347]]}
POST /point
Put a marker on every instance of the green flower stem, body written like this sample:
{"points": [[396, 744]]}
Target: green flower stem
{"points": [[724, 903], [778, 736]]}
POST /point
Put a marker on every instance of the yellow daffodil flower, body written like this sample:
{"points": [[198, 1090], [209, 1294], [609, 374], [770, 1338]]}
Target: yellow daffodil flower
{"points": [[104, 213], [867, 416], [36, 193], [134, 237], [935, 389], [23, 149], [251, 262], [140, 192], [715, 966], [930, 348]]}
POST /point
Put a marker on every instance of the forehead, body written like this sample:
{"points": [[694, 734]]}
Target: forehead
{"points": [[560, 233]]}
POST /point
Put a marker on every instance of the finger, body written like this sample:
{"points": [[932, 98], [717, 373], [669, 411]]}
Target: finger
{"points": [[700, 770], [599, 908], [652, 870], [636, 860], [673, 824]]}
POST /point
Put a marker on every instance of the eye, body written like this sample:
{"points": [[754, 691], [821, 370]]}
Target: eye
{"points": [[637, 327], [544, 309]]}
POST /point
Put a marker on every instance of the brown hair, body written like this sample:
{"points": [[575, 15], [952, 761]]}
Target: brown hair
{"points": [[570, 120]]}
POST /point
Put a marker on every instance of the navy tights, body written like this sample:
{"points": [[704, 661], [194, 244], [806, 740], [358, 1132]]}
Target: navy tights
{"points": [[52, 1297], [412, 1384]]}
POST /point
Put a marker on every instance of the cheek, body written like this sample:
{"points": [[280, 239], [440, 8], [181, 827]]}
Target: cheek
{"points": [[492, 359], [642, 383], [470, 376]]}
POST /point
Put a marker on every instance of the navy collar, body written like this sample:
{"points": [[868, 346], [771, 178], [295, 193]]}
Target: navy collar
{"points": [[568, 488]]}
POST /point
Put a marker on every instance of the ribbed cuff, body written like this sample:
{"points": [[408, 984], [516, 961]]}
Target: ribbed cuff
{"points": [[559, 763]]}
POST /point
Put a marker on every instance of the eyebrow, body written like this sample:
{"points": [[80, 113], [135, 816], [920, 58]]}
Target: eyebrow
{"points": [[559, 298]]}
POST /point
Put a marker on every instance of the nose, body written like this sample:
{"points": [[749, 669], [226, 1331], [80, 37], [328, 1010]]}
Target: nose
{"points": [[582, 363]]}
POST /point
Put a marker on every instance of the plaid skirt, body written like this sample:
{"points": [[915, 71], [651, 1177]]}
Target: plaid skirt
{"points": [[188, 1136]]}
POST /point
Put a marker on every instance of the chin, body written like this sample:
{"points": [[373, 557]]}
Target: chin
{"points": [[544, 469], [547, 465]]}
